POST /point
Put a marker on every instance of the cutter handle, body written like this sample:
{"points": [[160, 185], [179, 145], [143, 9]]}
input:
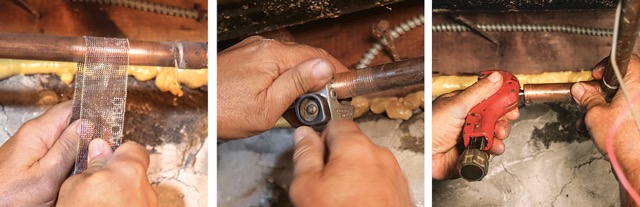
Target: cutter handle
{"points": [[482, 118]]}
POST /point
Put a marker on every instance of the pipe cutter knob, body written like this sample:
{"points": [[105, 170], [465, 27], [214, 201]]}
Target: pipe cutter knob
{"points": [[473, 163]]}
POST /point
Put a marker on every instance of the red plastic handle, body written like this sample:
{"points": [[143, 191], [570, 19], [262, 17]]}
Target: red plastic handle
{"points": [[481, 120]]}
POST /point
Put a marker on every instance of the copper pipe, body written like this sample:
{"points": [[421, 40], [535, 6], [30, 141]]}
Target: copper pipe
{"points": [[628, 26], [184, 55], [379, 78], [550, 92]]}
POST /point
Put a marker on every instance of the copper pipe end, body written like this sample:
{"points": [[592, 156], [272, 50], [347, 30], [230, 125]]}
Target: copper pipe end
{"points": [[550, 92], [379, 78]]}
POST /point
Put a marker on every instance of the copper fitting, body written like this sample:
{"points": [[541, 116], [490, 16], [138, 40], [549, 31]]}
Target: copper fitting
{"points": [[550, 92], [379, 78]]}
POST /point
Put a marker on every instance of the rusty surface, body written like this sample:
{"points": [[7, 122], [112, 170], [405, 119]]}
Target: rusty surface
{"points": [[522, 52], [383, 30], [379, 78]]}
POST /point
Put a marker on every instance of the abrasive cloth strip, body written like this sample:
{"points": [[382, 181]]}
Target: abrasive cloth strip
{"points": [[100, 94]]}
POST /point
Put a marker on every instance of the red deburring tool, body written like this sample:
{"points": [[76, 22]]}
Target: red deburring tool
{"points": [[479, 128]]}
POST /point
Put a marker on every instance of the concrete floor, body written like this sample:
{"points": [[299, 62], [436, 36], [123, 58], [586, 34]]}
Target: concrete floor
{"points": [[545, 164], [257, 171], [172, 129]]}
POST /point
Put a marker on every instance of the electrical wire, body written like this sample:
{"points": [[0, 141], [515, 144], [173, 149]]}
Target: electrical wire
{"points": [[376, 47], [151, 7], [570, 29], [612, 131], [454, 27]]}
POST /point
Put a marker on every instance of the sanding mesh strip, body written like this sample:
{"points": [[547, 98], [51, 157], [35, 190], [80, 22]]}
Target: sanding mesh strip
{"points": [[100, 94]]}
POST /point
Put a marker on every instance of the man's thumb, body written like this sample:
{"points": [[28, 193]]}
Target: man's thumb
{"points": [[586, 95], [99, 154], [308, 153], [478, 92], [308, 76]]}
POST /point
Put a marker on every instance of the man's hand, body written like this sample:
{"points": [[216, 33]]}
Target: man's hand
{"points": [[344, 168], [449, 113], [601, 115], [37, 158], [259, 78], [111, 179]]}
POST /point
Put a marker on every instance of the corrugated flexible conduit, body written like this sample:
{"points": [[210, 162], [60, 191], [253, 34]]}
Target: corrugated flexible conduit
{"points": [[151, 7], [570, 29]]}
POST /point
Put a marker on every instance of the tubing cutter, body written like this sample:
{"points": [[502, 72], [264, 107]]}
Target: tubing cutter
{"points": [[479, 128], [333, 101]]}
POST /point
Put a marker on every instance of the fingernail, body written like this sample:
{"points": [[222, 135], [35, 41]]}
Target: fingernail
{"points": [[301, 133], [322, 70], [503, 148], [577, 90], [598, 68], [98, 147], [494, 76], [580, 126]]}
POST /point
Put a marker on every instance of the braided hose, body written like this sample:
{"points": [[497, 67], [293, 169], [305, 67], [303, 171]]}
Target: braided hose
{"points": [[150, 7], [395, 33], [570, 29]]}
